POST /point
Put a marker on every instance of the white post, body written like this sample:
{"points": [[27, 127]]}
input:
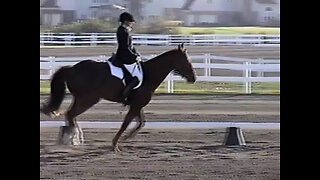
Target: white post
{"points": [[247, 75], [168, 43], [193, 40], [67, 39], [250, 75], [170, 84], [52, 65], [41, 39], [93, 39], [51, 36], [209, 63], [261, 73], [206, 61]]}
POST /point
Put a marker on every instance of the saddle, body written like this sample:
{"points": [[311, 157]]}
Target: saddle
{"points": [[134, 69]]}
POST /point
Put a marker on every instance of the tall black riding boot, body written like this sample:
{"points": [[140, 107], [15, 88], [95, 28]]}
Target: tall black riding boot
{"points": [[126, 92]]}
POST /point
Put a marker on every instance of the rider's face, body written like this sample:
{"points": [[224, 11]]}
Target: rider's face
{"points": [[129, 24]]}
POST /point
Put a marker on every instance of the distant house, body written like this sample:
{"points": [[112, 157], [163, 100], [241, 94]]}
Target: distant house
{"points": [[267, 11], [230, 12], [54, 12], [161, 9], [50, 13], [191, 12], [91, 9]]}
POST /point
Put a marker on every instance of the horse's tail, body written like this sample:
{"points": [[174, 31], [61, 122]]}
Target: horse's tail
{"points": [[58, 90]]}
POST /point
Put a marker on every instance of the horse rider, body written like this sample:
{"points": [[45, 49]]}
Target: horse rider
{"points": [[126, 53]]}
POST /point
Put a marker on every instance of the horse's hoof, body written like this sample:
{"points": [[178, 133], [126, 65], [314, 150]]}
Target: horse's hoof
{"points": [[116, 149], [70, 136], [56, 114]]}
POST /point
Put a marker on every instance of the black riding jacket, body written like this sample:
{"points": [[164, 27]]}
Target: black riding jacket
{"points": [[126, 53]]}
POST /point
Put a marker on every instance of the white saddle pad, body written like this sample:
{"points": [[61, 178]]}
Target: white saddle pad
{"points": [[134, 69]]}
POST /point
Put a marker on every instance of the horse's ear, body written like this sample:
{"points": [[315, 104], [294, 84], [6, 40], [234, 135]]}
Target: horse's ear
{"points": [[181, 47]]}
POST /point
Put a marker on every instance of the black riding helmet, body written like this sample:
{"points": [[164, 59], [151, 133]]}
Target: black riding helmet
{"points": [[126, 17]]}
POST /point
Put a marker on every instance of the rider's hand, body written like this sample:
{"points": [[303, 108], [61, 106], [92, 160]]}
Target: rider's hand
{"points": [[138, 59]]}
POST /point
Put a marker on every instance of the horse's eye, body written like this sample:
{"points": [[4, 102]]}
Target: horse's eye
{"points": [[176, 72]]}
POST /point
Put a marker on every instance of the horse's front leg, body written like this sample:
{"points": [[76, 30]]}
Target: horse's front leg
{"points": [[79, 133], [140, 124], [71, 134], [133, 112]]}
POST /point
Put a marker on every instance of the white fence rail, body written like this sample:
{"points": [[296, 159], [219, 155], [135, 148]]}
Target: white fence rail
{"points": [[93, 39], [247, 66]]}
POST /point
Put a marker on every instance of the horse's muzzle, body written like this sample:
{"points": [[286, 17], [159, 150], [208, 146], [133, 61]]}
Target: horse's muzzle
{"points": [[191, 79]]}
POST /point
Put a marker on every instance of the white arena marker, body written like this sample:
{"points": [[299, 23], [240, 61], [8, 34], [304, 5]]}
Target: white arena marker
{"points": [[172, 125]]}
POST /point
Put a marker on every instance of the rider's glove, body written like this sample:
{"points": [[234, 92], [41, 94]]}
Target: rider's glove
{"points": [[138, 59]]}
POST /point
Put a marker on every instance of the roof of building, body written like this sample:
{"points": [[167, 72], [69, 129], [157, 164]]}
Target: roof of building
{"points": [[266, 1], [188, 4], [110, 7], [49, 4]]}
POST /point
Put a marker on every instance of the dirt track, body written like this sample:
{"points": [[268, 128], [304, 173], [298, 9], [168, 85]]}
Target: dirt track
{"points": [[210, 108], [165, 154], [171, 154]]}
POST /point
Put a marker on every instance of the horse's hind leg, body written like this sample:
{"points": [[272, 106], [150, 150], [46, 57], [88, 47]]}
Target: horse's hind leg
{"points": [[79, 106], [133, 112], [140, 124]]}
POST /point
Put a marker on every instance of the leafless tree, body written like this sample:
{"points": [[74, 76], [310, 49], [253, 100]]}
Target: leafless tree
{"points": [[135, 7]]}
